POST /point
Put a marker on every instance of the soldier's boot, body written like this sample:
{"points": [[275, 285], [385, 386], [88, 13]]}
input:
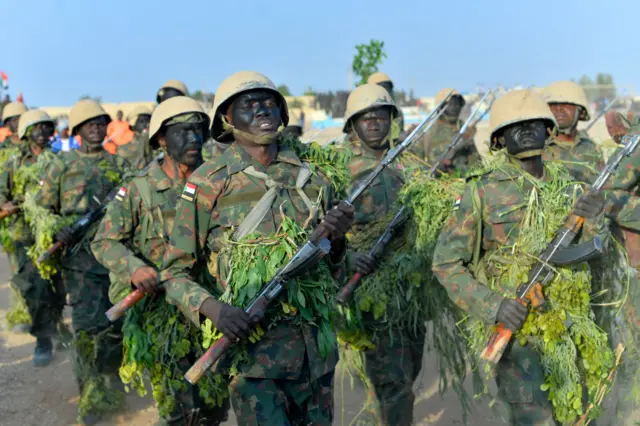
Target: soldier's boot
{"points": [[43, 352], [90, 419]]}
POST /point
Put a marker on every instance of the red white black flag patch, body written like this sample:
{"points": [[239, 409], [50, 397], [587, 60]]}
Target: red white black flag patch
{"points": [[189, 192], [456, 205], [121, 194], [41, 182]]}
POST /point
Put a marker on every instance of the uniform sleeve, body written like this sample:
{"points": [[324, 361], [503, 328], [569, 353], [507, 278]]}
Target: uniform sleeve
{"points": [[5, 183], [624, 209], [48, 196], [188, 239], [627, 175], [452, 257], [115, 236]]}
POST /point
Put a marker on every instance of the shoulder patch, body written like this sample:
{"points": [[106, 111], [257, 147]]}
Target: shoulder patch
{"points": [[122, 192], [189, 192]]}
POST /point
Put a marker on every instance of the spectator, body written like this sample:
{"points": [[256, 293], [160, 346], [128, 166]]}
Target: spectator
{"points": [[62, 140], [118, 133]]}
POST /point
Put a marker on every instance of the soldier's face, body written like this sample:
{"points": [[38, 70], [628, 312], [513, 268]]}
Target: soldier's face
{"points": [[93, 131], [168, 93], [142, 123], [388, 86], [294, 131], [525, 136], [615, 127], [454, 107], [256, 112], [184, 142], [12, 124], [373, 126], [41, 133], [566, 115]]}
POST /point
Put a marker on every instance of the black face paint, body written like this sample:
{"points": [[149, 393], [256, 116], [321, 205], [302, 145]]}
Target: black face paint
{"points": [[453, 108], [292, 131], [142, 123], [41, 133], [525, 136], [388, 86], [373, 126], [93, 131], [256, 112], [184, 143], [12, 123], [168, 93]]}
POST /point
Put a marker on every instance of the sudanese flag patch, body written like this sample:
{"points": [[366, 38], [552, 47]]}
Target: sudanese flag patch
{"points": [[121, 194], [456, 205], [189, 192]]}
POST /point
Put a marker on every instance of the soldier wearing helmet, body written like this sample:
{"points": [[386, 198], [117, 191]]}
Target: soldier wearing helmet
{"points": [[396, 361], [44, 305], [131, 241], [477, 277], [383, 80], [569, 104], [432, 144], [10, 116], [137, 151], [246, 193], [170, 89], [73, 184]]}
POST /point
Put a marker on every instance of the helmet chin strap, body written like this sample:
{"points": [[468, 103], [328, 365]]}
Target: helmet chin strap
{"points": [[260, 140], [573, 126], [528, 154]]}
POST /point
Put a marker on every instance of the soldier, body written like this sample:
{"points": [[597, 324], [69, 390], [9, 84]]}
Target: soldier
{"points": [[131, 247], [491, 213], [383, 80], [569, 104], [44, 303], [137, 152], [617, 125], [170, 89], [74, 183], [294, 128], [396, 361], [433, 143], [10, 115], [285, 371]]}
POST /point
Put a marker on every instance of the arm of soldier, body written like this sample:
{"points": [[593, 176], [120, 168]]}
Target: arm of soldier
{"points": [[453, 255], [48, 196], [627, 175], [115, 235], [5, 183], [624, 209], [188, 238]]}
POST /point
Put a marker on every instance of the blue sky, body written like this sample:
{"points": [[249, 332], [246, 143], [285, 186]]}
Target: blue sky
{"points": [[56, 51]]}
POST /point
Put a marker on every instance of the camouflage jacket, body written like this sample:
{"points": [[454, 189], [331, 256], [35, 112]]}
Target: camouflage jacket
{"points": [[212, 149], [135, 230], [72, 185], [217, 198], [583, 158], [474, 234], [137, 153], [433, 143]]}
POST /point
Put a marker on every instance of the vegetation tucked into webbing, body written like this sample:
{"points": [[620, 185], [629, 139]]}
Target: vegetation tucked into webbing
{"points": [[112, 174], [157, 340], [18, 313], [573, 349]]}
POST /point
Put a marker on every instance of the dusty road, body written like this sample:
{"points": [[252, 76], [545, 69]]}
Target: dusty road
{"points": [[48, 396]]}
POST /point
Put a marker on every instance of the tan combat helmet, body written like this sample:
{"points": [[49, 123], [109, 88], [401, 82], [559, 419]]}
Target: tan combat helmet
{"points": [[85, 110], [379, 77], [568, 92], [13, 109], [364, 98], [442, 93], [132, 116], [517, 106], [31, 118], [173, 107], [172, 84], [234, 85]]}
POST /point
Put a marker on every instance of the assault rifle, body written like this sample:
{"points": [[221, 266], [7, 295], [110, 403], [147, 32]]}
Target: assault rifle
{"points": [[402, 216], [599, 116], [308, 255], [557, 253]]}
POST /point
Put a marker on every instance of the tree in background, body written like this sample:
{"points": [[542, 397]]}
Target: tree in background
{"points": [[602, 88], [309, 91], [95, 98], [367, 59], [204, 97], [284, 90]]}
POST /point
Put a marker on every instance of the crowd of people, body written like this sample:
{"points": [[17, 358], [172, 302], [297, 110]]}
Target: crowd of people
{"points": [[197, 211]]}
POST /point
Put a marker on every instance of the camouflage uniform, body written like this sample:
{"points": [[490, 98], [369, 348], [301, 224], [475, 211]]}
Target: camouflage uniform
{"points": [[395, 363], [582, 157], [69, 187], [137, 153], [45, 300], [286, 377], [213, 149]]}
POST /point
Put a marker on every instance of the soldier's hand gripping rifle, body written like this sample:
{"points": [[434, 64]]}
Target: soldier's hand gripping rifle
{"points": [[306, 257], [557, 253], [346, 293]]}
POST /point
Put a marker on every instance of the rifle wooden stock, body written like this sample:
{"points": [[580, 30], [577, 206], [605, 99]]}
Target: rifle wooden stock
{"points": [[52, 250], [121, 308], [3, 214], [347, 291]]}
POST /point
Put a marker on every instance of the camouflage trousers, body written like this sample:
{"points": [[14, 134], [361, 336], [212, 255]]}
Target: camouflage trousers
{"points": [[45, 300], [283, 402], [519, 376], [392, 367], [190, 406]]}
